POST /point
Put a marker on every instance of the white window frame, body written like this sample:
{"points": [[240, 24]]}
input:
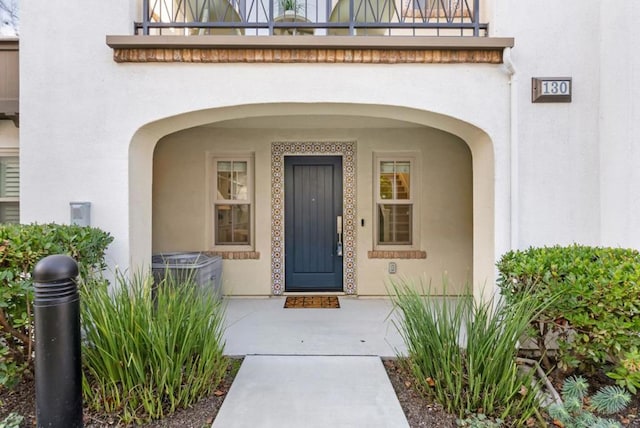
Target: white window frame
{"points": [[214, 200], [10, 153], [414, 191]]}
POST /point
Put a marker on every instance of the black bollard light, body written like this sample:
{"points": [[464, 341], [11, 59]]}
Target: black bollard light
{"points": [[57, 334]]}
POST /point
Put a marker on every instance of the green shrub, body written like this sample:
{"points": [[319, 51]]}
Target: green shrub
{"points": [[627, 373], [21, 247], [479, 420], [577, 410], [482, 374], [597, 314], [147, 353], [13, 420]]}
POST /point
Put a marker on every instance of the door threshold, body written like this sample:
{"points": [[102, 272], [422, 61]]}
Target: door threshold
{"points": [[314, 293]]}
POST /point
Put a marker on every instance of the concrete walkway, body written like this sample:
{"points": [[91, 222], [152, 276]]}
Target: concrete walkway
{"points": [[359, 327], [311, 367]]}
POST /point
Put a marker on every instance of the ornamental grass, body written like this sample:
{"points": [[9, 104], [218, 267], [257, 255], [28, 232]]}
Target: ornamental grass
{"points": [[148, 351], [462, 352]]}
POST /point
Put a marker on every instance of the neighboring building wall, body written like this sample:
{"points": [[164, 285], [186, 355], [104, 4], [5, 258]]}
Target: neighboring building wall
{"points": [[8, 135], [9, 173], [9, 84], [443, 177]]}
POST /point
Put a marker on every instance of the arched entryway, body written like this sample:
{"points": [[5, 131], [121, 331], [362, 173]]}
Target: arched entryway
{"points": [[305, 124]]}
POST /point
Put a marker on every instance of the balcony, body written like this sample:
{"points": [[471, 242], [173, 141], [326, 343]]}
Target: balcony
{"points": [[9, 82], [311, 18], [310, 31]]}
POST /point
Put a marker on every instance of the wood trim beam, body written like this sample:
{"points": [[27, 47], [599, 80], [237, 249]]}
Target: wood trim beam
{"points": [[314, 49], [362, 56], [314, 42]]}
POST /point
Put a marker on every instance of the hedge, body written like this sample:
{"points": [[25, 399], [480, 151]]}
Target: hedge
{"points": [[21, 247], [596, 307]]}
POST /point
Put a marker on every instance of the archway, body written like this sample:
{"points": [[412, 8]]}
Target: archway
{"points": [[478, 141]]}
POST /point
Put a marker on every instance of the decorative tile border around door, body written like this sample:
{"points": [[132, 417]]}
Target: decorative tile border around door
{"points": [[348, 152]]}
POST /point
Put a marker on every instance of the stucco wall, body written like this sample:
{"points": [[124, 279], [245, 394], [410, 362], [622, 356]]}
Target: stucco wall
{"points": [[578, 180], [181, 215], [558, 167], [95, 159], [445, 204], [619, 125], [89, 125]]}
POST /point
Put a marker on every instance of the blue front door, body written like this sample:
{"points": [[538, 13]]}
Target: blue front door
{"points": [[313, 203]]}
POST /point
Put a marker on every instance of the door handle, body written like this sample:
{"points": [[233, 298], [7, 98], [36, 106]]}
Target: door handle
{"points": [[339, 230]]}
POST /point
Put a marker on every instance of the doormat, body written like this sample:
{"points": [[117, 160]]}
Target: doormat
{"points": [[316, 302]]}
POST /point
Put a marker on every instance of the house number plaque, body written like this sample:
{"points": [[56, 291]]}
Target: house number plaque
{"points": [[551, 89]]}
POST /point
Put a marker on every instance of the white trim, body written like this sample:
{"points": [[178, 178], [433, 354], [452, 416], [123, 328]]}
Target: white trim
{"points": [[514, 161], [414, 198], [212, 191]]}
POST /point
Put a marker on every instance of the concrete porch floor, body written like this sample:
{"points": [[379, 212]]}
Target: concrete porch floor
{"points": [[311, 367], [361, 327]]}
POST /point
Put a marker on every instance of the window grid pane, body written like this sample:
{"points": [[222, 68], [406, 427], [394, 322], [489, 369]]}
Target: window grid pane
{"points": [[403, 180], [395, 180], [232, 224], [232, 180], [395, 224]]}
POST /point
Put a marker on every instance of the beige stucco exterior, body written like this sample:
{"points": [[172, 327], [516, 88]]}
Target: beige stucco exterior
{"points": [[482, 151], [540, 174], [443, 180]]}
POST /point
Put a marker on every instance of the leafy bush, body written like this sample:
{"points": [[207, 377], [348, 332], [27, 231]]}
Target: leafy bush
{"points": [[627, 373], [21, 247], [597, 313], [479, 420], [13, 420], [577, 410], [482, 374], [150, 351]]}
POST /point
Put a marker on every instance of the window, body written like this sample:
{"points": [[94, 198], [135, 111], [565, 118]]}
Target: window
{"points": [[395, 210], [9, 189], [232, 201]]}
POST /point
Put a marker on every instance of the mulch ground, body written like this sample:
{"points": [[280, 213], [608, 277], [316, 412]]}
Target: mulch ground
{"points": [[419, 411], [21, 400]]}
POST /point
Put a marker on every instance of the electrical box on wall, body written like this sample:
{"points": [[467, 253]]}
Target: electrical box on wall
{"points": [[80, 213], [393, 268]]}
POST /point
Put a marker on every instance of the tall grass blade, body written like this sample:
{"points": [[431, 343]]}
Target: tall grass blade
{"points": [[462, 351], [149, 351]]}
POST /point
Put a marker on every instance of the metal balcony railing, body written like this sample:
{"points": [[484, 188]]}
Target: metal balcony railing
{"points": [[311, 17]]}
